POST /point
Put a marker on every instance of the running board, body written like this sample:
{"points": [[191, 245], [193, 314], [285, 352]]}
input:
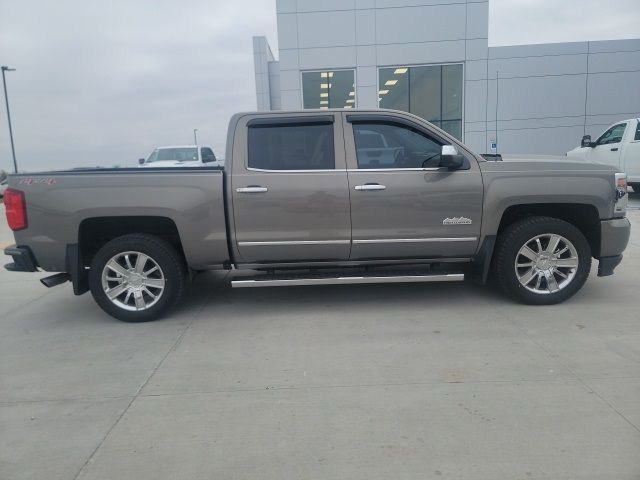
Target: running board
{"points": [[286, 280]]}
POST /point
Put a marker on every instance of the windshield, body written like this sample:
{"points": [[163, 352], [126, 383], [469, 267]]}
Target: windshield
{"points": [[188, 154]]}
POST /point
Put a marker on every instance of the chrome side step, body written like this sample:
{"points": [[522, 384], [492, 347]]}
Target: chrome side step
{"points": [[286, 280]]}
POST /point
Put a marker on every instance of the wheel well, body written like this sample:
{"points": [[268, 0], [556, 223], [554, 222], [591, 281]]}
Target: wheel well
{"points": [[95, 232], [584, 217]]}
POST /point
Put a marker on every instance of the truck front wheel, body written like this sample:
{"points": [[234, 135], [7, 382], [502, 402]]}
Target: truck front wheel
{"points": [[542, 260], [137, 277]]}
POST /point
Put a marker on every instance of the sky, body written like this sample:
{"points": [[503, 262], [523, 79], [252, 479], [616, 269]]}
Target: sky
{"points": [[103, 83]]}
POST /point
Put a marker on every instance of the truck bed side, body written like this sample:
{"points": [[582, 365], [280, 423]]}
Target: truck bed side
{"points": [[61, 204]]}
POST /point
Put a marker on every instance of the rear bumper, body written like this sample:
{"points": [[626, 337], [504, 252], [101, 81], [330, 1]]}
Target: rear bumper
{"points": [[614, 237], [23, 259]]}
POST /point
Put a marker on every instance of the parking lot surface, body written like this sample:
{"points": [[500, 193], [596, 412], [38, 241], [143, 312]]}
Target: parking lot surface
{"points": [[355, 382]]}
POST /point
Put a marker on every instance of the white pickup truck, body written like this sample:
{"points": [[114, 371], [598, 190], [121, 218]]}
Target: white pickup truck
{"points": [[619, 146], [181, 156]]}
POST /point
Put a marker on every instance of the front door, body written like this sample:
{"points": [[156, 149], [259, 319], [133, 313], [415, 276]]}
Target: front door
{"points": [[289, 189], [402, 204], [607, 148]]}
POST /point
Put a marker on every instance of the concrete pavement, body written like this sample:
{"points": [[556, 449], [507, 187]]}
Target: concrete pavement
{"points": [[372, 382]]}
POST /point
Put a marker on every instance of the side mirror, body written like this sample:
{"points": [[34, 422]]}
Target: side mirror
{"points": [[450, 158], [586, 141], [141, 161]]}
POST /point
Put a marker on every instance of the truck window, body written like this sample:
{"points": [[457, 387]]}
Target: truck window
{"points": [[637, 137], [207, 155], [612, 135], [389, 145], [291, 147]]}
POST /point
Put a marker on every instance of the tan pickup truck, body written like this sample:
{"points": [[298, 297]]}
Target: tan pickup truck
{"points": [[321, 197]]}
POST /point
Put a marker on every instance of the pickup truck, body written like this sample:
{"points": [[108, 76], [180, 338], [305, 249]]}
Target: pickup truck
{"points": [[299, 204], [619, 146], [180, 156]]}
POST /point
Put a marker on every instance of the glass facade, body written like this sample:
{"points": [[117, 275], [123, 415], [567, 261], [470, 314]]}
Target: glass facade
{"points": [[329, 89], [433, 92]]}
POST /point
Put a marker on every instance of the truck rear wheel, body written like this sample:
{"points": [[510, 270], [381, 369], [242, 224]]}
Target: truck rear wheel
{"points": [[542, 260], [137, 277]]}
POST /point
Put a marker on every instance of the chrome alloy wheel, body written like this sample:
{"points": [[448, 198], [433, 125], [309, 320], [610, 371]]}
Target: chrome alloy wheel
{"points": [[133, 281], [546, 263]]}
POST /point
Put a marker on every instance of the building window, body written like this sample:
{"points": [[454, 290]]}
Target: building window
{"points": [[433, 92], [328, 89]]}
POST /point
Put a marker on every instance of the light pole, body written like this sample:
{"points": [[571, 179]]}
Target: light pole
{"points": [[6, 100], [195, 136]]}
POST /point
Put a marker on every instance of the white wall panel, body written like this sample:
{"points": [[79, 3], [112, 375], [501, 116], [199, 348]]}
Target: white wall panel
{"points": [[289, 79], [291, 99], [326, 29], [478, 20], [538, 50], [421, 53], [538, 66], [287, 30], [614, 45], [335, 57], [477, 49], [367, 97], [420, 24], [325, 5], [613, 92], [367, 76], [289, 59], [475, 100], [366, 55], [285, 6], [365, 27], [614, 61], [538, 97], [361, 4]]}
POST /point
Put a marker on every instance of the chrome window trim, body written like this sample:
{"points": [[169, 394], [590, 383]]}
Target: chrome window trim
{"points": [[417, 240], [294, 242]]}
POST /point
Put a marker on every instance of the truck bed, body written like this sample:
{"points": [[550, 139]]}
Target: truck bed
{"points": [[191, 198]]}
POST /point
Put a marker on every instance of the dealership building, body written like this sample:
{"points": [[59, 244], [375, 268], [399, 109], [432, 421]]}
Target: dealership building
{"points": [[432, 58]]}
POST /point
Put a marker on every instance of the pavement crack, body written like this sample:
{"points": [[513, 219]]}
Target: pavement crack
{"points": [[153, 372]]}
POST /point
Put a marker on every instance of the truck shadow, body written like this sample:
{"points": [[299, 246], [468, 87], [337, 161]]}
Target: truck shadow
{"points": [[215, 290]]}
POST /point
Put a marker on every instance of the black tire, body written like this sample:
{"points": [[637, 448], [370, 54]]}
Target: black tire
{"points": [[515, 236], [162, 253]]}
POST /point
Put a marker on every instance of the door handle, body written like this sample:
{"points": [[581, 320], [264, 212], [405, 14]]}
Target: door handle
{"points": [[369, 187], [614, 149], [252, 189]]}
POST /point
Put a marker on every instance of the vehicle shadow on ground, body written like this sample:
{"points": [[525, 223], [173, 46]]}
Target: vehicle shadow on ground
{"points": [[286, 299]]}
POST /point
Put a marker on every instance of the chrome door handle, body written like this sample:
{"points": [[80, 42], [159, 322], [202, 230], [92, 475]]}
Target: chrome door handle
{"points": [[369, 187], [252, 189], [614, 149]]}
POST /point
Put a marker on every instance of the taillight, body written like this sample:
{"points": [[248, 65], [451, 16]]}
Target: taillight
{"points": [[16, 209]]}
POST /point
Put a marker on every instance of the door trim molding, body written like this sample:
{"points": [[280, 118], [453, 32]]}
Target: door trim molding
{"points": [[417, 240], [294, 242]]}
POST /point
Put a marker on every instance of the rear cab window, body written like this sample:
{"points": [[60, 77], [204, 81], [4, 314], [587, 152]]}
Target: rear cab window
{"points": [[293, 145]]}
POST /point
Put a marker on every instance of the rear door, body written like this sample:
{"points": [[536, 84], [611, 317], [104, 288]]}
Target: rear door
{"points": [[289, 189], [408, 207]]}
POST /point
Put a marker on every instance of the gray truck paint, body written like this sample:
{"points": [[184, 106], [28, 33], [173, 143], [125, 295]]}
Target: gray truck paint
{"points": [[307, 218]]}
